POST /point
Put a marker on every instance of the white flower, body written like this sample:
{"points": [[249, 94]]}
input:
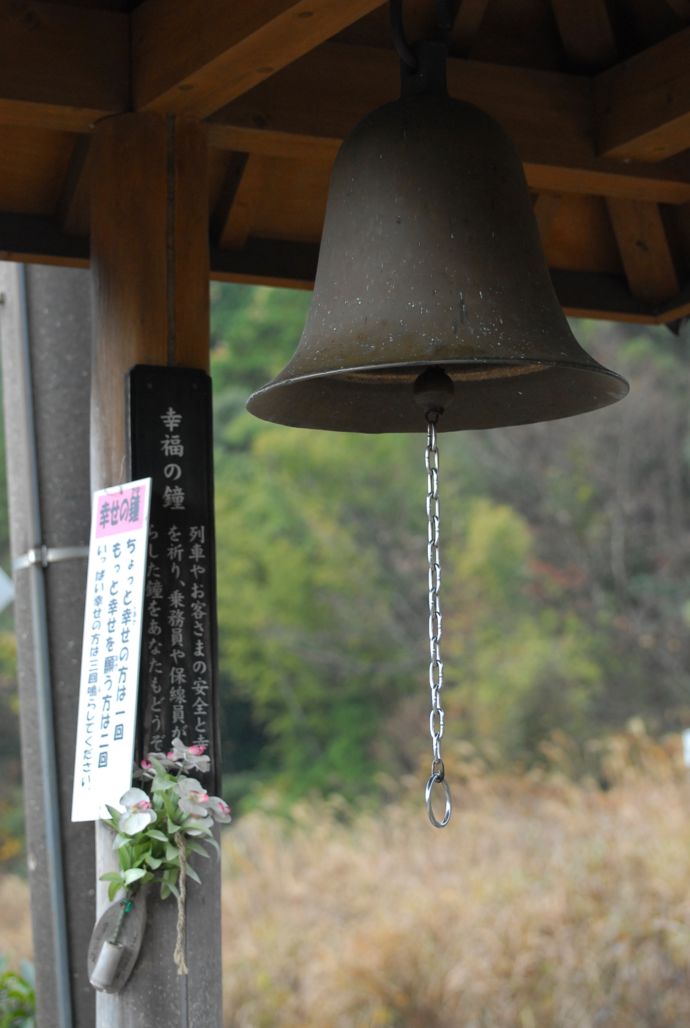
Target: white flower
{"points": [[138, 812], [189, 756], [193, 797], [219, 809]]}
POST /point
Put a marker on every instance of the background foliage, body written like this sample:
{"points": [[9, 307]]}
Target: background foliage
{"points": [[566, 589]]}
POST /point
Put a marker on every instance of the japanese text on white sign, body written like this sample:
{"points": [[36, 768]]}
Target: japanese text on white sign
{"points": [[111, 648]]}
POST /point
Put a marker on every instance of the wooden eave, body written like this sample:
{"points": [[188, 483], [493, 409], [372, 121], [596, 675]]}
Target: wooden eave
{"points": [[596, 96]]}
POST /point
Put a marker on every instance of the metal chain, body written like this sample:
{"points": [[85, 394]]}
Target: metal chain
{"points": [[437, 716]]}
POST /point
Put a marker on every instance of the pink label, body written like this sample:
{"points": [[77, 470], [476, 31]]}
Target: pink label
{"points": [[120, 512]]}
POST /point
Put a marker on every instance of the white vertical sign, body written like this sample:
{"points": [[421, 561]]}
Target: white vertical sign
{"points": [[111, 647]]}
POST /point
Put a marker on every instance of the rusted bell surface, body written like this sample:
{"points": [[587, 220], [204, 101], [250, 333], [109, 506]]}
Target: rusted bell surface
{"points": [[430, 258]]}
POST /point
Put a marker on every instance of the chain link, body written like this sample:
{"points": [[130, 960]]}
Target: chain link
{"points": [[437, 715]]}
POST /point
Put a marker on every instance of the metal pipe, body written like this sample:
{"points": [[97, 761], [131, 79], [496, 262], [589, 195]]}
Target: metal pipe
{"points": [[42, 670]]}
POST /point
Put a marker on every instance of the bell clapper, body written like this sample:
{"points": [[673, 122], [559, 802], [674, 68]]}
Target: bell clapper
{"points": [[433, 510]]}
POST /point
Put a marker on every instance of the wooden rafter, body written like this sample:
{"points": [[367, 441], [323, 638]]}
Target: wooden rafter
{"points": [[73, 205], [62, 67], [644, 249], [239, 217], [547, 115], [643, 104], [192, 58]]}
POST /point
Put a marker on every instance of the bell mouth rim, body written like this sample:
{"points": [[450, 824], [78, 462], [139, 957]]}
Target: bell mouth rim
{"points": [[326, 400], [521, 366]]}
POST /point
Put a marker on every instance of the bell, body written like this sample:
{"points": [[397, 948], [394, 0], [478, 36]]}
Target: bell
{"points": [[431, 289]]}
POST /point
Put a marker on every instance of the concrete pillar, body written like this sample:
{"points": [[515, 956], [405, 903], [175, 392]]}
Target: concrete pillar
{"points": [[53, 304]]}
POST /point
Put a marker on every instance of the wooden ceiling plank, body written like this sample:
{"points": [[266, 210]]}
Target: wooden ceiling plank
{"points": [[192, 58], [466, 26], [586, 33], [247, 196], [61, 67], [643, 104], [548, 116], [644, 250]]}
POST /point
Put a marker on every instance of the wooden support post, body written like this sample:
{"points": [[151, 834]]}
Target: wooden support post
{"points": [[150, 266]]}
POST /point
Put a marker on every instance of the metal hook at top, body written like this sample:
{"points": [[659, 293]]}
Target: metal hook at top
{"points": [[444, 23]]}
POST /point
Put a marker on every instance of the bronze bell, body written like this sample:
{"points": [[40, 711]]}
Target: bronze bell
{"points": [[431, 260]]}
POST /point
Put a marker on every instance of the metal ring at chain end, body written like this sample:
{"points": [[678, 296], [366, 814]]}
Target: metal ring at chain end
{"points": [[434, 779]]}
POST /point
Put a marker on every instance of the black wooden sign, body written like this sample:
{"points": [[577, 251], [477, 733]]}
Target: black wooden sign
{"points": [[171, 441]]}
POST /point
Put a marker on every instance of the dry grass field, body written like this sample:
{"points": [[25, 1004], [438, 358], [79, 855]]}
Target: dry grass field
{"points": [[543, 904], [538, 906]]}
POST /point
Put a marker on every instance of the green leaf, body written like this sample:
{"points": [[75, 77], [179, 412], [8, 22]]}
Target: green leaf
{"points": [[191, 873], [113, 890], [171, 854], [111, 876], [154, 862], [174, 890], [212, 842], [198, 829], [155, 833], [163, 784], [173, 829], [196, 847], [133, 874]]}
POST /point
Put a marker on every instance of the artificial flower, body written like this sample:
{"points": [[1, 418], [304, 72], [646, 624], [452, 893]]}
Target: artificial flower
{"points": [[187, 757], [219, 809], [193, 797], [138, 812]]}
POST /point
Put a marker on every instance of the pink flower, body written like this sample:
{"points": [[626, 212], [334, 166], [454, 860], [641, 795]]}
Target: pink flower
{"points": [[196, 749], [146, 764]]}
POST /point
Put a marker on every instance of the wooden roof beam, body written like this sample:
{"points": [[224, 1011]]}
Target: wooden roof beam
{"points": [[62, 67], [548, 116], [193, 58], [643, 104]]}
